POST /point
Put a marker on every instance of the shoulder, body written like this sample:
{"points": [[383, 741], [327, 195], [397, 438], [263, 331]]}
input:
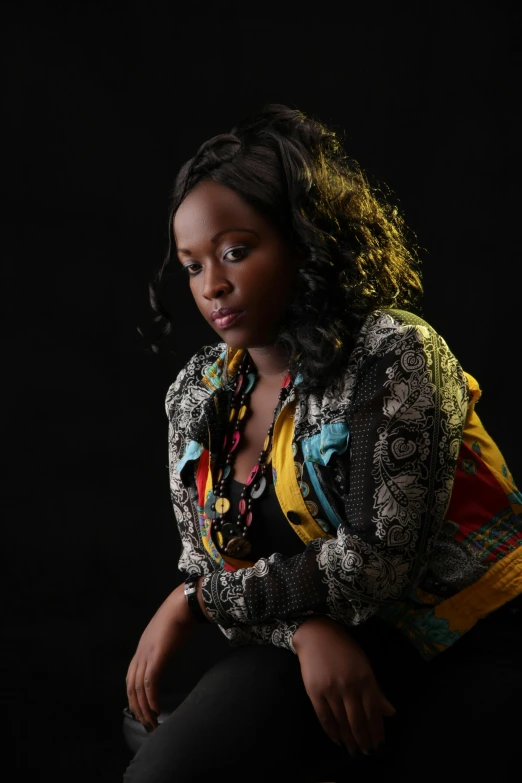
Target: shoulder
{"points": [[400, 342], [387, 333], [386, 329], [188, 386], [389, 338]]}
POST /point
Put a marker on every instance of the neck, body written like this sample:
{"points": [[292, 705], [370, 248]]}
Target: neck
{"points": [[271, 362]]}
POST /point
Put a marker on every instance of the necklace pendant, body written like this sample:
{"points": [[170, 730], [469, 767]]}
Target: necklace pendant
{"points": [[222, 473], [251, 476], [230, 530], [239, 547], [251, 379], [258, 487], [239, 384], [236, 437], [222, 505], [210, 506]]}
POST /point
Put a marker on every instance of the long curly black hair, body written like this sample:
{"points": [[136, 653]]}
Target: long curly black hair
{"points": [[357, 255]]}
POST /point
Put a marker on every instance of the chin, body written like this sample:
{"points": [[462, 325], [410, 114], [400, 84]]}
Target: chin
{"points": [[241, 339]]}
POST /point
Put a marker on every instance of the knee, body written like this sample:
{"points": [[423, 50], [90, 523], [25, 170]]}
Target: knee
{"points": [[146, 769], [167, 756]]}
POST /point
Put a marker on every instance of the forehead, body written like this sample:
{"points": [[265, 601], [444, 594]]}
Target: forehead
{"points": [[209, 208]]}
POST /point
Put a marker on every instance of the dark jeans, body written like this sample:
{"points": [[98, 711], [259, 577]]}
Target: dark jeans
{"points": [[249, 717]]}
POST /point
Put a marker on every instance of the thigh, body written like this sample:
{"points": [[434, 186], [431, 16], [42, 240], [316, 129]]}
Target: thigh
{"points": [[248, 716]]}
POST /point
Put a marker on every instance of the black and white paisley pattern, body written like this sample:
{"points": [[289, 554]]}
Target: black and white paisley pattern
{"points": [[183, 405], [187, 395], [277, 633], [404, 397]]}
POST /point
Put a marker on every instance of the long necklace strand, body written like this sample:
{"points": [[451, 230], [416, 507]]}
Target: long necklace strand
{"points": [[232, 536]]}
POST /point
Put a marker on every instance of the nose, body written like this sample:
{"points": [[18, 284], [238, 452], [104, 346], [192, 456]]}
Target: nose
{"points": [[215, 284]]}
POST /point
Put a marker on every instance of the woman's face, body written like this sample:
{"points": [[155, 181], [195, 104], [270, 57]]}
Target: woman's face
{"points": [[240, 270]]}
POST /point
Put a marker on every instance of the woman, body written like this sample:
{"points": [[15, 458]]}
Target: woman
{"points": [[345, 518]]}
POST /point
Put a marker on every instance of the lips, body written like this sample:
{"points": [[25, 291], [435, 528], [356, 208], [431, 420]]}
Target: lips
{"points": [[226, 316], [223, 311]]}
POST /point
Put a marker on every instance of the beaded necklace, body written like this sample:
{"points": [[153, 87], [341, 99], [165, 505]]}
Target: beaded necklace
{"points": [[232, 535]]}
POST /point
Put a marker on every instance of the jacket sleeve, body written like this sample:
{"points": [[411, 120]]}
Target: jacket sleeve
{"points": [[182, 398], [406, 418], [180, 402]]}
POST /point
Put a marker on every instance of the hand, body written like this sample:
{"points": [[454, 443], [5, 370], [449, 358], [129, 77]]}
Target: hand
{"points": [[166, 633], [341, 685]]}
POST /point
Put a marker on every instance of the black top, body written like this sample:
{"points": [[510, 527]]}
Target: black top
{"points": [[270, 530]]}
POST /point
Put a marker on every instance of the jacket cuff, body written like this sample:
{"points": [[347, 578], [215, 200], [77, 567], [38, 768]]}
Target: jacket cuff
{"points": [[283, 635], [223, 601]]}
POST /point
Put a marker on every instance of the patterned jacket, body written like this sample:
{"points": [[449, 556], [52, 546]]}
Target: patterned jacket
{"points": [[402, 500]]}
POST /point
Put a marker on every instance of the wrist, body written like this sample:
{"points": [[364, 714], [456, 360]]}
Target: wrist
{"points": [[199, 593], [192, 588], [309, 627]]}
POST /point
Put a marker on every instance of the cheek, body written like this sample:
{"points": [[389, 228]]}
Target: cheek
{"points": [[195, 291], [274, 280], [278, 286]]}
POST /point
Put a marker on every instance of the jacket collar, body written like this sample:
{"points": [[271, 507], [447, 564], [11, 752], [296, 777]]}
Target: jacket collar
{"points": [[313, 411], [222, 372]]}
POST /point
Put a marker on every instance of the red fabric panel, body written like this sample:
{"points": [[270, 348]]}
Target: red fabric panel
{"points": [[201, 476], [477, 496]]}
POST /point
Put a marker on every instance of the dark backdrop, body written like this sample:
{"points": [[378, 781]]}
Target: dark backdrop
{"points": [[103, 103]]}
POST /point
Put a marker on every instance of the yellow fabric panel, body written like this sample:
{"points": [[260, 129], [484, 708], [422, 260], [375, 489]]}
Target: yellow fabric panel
{"points": [[500, 584], [474, 432], [233, 360], [286, 486], [475, 393]]}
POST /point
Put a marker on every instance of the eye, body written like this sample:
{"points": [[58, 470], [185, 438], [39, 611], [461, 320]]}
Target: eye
{"points": [[192, 269], [236, 253]]}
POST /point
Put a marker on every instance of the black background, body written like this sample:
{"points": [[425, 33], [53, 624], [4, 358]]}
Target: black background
{"points": [[103, 102]]}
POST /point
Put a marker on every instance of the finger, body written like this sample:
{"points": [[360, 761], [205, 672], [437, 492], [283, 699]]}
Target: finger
{"points": [[376, 705], [150, 684], [358, 722], [131, 693], [326, 718], [334, 719], [144, 713], [373, 709]]}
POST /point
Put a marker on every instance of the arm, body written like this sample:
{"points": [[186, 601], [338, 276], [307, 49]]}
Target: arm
{"points": [[173, 622], [405, 422]]}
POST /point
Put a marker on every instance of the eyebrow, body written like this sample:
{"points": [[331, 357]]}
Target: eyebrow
{"points": [[215, 238]]}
